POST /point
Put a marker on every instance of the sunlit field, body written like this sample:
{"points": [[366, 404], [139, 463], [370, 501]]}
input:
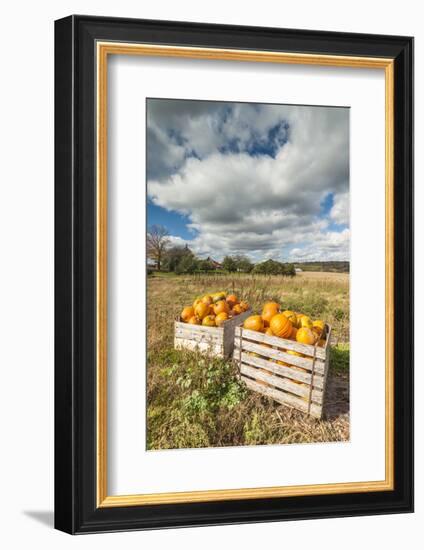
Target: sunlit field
{"points": [[197, 401]]}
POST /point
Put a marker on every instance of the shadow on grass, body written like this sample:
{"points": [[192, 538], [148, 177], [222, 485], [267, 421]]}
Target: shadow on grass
{"points": [[337, 398]]}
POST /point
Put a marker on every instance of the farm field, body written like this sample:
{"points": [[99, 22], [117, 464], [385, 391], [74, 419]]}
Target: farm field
{"points": [[197, 401]]}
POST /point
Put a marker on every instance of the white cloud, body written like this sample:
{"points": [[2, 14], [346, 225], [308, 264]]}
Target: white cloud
{"points": [[340, 210], [326, 246], [263, 205]]}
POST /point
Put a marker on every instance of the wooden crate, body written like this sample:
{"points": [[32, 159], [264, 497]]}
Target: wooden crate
{"points": [[217, 341], [299, 383]]}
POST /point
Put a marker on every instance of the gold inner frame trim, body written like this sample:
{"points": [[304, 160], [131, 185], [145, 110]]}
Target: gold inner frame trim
{"points": [[104, 49]]}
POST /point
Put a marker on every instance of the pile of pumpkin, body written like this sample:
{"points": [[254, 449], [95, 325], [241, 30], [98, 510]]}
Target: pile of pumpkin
{"points": [[287, 324], [290, 325], [212, 310]]}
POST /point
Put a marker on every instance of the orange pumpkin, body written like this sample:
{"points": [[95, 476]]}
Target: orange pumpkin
{"points": [[221, 307], [201, 310], [291, 316], [237, 309], [269, 332], [305, 321], [194, 320], [218, 296], [305, 336], [244, 305], [267, 315], [187, 313], [293, 333], [196, 301], [221, 318], [207, 299], [232, 300], [271, 306], [254, 322], [209, 321], [319, 323], [281, 326]]}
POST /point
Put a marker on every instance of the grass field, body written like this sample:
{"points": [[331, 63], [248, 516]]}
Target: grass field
{"points": [[197, 401]]}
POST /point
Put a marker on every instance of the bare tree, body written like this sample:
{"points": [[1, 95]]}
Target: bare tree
{"points": [[157, 242]]}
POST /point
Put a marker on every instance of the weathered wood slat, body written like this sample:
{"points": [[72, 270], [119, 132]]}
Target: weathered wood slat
{"points": [[235, 321], [327, 361], [212, 349], [283, 397], [301, 362], [258, 354], [281, 370], [198, 328], [199, 337], [281, 343], [217, 341], [281, 383], [327, 339], [229, 328]]}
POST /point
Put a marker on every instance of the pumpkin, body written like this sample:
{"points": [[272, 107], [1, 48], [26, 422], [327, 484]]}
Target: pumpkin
{"points": [[207, 299], [293, 333], [319, 323], [305, 321], [211, 310], [187, 313], [244, 305], [209, 321], [291, 316], [218, 296], [232, 300], [221, 307], [201, 310], [237, 309], [221, 318], [196, 301], [269, 332], [267, 316], [271, 306], [194, 320], [321, 343], [254, 322], [305, 336], [281, 326]]}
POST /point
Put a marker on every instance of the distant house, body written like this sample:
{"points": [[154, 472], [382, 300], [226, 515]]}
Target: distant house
{"points": [[298, 270], [214, 264]]}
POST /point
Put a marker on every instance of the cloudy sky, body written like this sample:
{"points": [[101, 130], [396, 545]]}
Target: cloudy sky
{"points": [[267, 181]]}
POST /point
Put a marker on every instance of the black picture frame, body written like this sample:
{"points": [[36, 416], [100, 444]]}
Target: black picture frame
{"points": [[76, 510]]}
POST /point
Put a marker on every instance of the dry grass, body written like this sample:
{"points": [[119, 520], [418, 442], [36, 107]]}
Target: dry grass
{"points": [[195, 401]]}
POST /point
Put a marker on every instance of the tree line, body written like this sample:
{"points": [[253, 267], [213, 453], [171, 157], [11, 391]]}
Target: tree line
{"points": [[180, 259]]}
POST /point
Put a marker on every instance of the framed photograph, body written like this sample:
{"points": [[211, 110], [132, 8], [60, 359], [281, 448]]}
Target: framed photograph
{"points": [[234, 274]]}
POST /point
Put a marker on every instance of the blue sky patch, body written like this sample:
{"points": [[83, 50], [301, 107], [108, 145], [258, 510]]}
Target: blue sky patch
{"points": [[175, 222]]}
